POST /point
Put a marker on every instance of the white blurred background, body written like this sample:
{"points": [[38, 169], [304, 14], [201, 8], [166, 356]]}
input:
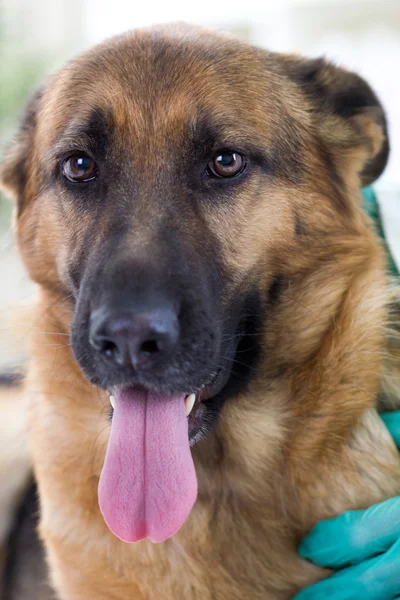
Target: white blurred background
{"points": [[37, 36]]}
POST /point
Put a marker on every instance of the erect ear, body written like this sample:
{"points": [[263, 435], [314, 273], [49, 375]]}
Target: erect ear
{"points": [[15, 167], [350, 117]]}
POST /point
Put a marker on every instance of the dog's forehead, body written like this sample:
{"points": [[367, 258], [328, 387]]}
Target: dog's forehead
{"points": [[158, 82]]}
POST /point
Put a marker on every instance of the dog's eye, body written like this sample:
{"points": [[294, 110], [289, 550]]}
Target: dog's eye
{"points": [[227, 164], [79, 168]]}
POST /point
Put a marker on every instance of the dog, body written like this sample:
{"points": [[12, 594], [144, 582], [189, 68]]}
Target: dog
{"points": [[189, 206]]}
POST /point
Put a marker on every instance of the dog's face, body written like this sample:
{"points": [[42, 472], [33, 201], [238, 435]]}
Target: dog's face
{"points": [[163, 183], [172, 183], [192, 198]]}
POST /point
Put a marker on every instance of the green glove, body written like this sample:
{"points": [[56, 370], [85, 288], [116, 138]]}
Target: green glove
{"points": [[365, 542], [392, 422]]}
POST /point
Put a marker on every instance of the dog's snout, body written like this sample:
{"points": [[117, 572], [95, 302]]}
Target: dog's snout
{"points": [[136, 339]]}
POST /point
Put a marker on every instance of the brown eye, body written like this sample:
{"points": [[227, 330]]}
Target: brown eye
{"points": [[79, 168], [227, 164]]}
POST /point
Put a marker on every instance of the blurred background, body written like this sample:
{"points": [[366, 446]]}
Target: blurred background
{"points": [[37, 36]]}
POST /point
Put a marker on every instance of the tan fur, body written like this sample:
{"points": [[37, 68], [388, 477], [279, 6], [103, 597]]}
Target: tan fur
{"points": [[304, 442]]}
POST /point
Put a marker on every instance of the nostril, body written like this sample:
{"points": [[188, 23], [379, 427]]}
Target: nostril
{"points": [[109, 349], [134, 339], [149, 347]]}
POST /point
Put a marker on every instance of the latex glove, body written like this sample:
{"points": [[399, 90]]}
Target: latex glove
{"points": [[363, 544]]}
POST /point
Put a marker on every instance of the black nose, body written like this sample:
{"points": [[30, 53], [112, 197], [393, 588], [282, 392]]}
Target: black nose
{"points": [[134, 339]]}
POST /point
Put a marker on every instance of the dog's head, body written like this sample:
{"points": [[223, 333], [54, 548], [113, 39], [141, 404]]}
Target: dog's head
{"points": [[174, 183]]}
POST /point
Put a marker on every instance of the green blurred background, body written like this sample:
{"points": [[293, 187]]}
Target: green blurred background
{"points": [[20, 71]]}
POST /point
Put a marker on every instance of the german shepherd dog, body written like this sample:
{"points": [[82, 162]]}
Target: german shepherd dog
{"points": [[189, 206]]}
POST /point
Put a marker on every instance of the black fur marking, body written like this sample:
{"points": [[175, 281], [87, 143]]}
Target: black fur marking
{"points": [[99, 128], [346, 96], [276, 289], [356, 95], [117, 278], [246, 359]]}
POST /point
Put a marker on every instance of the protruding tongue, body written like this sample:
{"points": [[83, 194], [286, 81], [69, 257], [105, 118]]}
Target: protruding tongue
{"points": [[148, 484]]}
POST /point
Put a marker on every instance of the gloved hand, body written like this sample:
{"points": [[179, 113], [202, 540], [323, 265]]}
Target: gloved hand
{"points": [[365, 542]]}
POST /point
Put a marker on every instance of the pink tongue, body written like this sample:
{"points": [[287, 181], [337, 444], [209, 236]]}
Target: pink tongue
{"points": [[148, 484]]}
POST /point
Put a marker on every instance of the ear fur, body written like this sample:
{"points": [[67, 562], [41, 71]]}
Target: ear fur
{"points": [[351, 118], [14, 171]]}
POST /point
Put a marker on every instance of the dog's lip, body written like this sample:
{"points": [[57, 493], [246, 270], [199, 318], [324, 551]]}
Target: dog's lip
{"points": [[190, 401], [205, 392]]}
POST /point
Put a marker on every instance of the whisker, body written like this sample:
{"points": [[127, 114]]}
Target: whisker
{"points": [[52, 333], [239, 335], [246, 350], [237, 362]]}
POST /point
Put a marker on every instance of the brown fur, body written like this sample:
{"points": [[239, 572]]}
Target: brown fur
{"points": [[304, 441]]}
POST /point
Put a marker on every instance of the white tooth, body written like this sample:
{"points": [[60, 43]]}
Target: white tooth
{"points": [[112, 401], [189, 403]]}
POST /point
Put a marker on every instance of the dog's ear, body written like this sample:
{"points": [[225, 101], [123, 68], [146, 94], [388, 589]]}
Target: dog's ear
{"points": [[15, 167], [350, 117]]}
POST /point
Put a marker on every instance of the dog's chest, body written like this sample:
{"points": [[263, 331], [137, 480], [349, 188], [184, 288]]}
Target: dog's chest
{"points": [[204, 561]]}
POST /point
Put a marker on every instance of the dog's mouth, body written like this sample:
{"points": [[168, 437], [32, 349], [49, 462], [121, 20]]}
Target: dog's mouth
{"points": [[198, 404], [148, 484]]}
